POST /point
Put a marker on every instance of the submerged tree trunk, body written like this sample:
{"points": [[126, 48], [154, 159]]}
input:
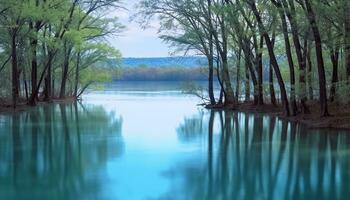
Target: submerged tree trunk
{"points": [[319, 57]]}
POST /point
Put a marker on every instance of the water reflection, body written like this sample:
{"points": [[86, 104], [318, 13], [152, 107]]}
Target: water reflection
{"points": [[74, 151], [54, 152], [259, 157]]}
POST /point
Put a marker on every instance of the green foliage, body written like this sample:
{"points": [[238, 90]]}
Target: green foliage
{"points": [[95, 75], [71, 34]]}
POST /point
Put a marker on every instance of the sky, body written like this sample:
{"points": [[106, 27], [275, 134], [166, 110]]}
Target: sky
{"points": [[135, 41]]}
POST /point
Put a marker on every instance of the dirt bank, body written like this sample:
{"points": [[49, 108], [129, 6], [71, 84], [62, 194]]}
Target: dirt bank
{"points": [[339, 119]]}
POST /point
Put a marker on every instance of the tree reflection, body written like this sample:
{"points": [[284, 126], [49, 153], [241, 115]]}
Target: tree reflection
{"points": [[55, 151], [261, 157]]}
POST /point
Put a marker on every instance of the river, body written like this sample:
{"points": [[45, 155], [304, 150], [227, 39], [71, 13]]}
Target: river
{"points": [[124, 143]]}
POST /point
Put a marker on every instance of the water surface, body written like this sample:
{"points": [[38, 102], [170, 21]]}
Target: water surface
{"points": [[120, 144]]}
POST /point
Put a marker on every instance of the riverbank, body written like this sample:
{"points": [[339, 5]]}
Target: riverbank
{"points": [[339, 119], [6, 106], [339, 115]]}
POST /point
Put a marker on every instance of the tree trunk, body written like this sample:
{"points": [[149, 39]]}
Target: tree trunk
{"points": [[34, 63], [210, 56], [48, 79], [346, 7], [291, 15], [247, 83], [67, 53], [211, 81], [290, 64], [272, 57], [335, 79], [319, 56], [238, 75], [249, 66], [260, 72], [271, 86], [271, 82], [222, 49], [76, 80], [309, 72], [15, 78], [229, 96]]}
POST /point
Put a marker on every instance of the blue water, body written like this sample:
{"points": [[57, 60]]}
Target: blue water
{"points": [[122, 144]]}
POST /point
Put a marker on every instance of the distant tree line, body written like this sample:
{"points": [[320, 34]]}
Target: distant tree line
{"points": [[50, 48], [314, 37], [180, 61], [176, 73]]}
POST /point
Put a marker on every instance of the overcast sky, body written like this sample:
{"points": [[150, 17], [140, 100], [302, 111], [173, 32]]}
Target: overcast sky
{"points": [[134, 41]]}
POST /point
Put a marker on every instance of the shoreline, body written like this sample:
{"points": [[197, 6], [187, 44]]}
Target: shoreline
{"points": [[339, 121], [6, 108]]}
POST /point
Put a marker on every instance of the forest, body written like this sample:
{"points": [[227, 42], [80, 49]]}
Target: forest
{"points": [[54, 49], [307, 40]]}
